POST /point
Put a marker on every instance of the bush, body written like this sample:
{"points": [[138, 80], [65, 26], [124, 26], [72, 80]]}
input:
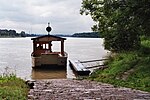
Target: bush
{"points": [[12, 88]]}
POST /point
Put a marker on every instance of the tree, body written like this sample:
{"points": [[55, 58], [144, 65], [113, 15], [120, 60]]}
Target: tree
{"points": [[119, 21], [23, 34], [11, 33]]}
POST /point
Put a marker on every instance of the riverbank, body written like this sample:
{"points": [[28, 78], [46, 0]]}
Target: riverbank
{"points": [[64, 89], [12, 88], [10, 37], [128, 69]]}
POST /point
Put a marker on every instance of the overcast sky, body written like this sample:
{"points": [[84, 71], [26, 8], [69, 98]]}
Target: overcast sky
{"points": [[32, 16]]}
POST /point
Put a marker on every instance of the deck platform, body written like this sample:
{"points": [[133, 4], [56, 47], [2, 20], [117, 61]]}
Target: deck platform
{"points": [[79, 68]]}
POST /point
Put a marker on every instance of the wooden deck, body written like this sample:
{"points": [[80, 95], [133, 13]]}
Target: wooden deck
{"points": [[79, 68]]}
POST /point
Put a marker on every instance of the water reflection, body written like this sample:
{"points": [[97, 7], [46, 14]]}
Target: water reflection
{"points": [[49, 74]]}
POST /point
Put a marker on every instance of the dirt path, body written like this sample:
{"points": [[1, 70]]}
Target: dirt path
{"points": [[63, 89]]}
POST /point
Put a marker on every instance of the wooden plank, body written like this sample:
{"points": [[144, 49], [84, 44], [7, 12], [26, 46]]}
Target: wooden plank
{"points": [[92, 60], [76, 65], [95, 66], [79, 68]]}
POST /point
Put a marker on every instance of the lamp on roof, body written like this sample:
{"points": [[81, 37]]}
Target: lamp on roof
{"points": [[48, 29]]}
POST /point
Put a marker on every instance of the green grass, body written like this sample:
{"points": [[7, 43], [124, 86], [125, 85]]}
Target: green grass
{"points": [[12, 88], [128, 69]]}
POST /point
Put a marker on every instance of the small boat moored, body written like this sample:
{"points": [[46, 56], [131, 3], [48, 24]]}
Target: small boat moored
{"points": [[43, 55]]}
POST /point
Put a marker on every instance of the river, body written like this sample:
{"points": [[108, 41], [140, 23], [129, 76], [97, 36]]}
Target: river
{"points": [[15, 56]]}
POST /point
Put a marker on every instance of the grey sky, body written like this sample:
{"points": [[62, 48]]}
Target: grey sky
{"points": [[33, 15]]}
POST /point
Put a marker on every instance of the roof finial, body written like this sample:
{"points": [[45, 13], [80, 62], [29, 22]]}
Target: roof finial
{"points": [[48, 29]]}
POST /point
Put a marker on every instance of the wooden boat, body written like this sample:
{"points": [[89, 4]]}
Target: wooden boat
{"points": [[43, 55]]}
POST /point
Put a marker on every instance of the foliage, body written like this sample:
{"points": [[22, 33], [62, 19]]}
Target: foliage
{"points": [[119, 21], [9, 33], [12, 33], [12, 88], [129, 69]]}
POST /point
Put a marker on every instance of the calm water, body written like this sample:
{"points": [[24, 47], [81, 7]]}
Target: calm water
{"points": [[15, 53]]}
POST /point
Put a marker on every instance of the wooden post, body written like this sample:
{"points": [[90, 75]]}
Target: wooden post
{"points": [[34, 46], [50, 46], [62, 48]]}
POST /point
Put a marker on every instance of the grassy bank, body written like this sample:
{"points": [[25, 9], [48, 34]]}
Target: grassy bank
{"points": [[128, 69], [12, 88]]}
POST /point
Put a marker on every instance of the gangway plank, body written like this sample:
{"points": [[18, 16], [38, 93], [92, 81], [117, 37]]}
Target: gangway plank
{"points": [[79, 68]]}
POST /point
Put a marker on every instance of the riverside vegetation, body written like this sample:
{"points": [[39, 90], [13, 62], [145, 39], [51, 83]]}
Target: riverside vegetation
{"points": [[124, 25], [129, 69], [12, 88]]}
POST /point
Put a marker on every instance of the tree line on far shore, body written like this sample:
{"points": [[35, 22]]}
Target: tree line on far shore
{"points": [[87, 35], [13, 33], [82, 35]]}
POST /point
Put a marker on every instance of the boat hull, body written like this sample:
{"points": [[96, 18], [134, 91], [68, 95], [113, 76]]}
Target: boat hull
{"points": [[49, 60]]}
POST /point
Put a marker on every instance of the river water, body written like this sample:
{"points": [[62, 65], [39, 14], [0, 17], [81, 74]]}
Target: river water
{"points": [[15, 56]]}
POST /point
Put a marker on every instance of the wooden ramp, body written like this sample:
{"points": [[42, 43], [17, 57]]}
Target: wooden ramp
{"points": [[79, 68]]}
